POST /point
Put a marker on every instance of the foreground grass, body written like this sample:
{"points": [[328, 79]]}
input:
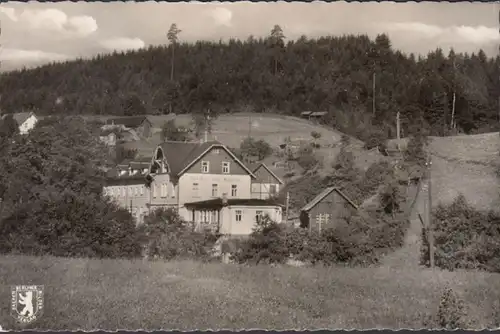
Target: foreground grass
{"points": [[110, 295]]}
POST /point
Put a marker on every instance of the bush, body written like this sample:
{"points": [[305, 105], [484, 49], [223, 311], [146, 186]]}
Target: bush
{"points": [[70, 227], [451, 312], [464, 238], [169, 237], [356, 241], [266, 244]]}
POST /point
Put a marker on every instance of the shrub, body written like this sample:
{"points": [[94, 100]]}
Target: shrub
{"points": [[71, 227], [356, 241], [451, 312], [169, 237], [266, 244], [464, 238]]}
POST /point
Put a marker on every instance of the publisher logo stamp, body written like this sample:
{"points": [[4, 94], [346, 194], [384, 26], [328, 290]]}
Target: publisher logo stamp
{"points": [[26, 303]]}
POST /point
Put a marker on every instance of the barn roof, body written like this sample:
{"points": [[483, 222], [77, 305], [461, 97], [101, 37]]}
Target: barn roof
{"points": [[325, 193], [129, 121], [318, 113]]}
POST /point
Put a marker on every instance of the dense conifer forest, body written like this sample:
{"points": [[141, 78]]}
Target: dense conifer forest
{"points": [[362, 83]]}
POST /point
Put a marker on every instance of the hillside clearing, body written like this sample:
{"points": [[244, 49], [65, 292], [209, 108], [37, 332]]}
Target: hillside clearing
{"points": [[121, 294], [232, 129], [465, 164]]}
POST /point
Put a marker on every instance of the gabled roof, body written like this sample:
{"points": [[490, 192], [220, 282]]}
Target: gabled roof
{"points": [[20, 117], [255, 167], [323, 194], [128, 121], [182, 155]]}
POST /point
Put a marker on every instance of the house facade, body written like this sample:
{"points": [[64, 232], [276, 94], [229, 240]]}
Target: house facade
{"points": [[266, 183], [327, 208], [204, 182], [230, 216], [25, 121], [126, 186], [186, 172]]}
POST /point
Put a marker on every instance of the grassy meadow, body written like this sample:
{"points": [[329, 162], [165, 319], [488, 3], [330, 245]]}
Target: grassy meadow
{"points": [[121, 294]]}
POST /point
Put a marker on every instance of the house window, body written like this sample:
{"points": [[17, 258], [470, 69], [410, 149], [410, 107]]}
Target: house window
{"points": [[214, 217], [203, 216], [258, 215], [217, 151], [272, 189], [163, 190], [239, 214], [225, 167], [204, 167], [214, 190], [155, 190], [195, 189], [142, 190], [234, 190]]}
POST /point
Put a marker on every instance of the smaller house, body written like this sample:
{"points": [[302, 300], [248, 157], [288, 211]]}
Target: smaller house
{"points": [[126, 185], [305, 114], [108, 137], [233, 216], [328, 207], [25, 120], [316, 115], [141, 124], [266, 184]]}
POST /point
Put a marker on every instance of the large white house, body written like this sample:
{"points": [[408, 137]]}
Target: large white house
{"points": [[25, 120]]}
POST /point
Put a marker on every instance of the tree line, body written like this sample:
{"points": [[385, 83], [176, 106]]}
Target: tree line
{"points": [[361, 82]]}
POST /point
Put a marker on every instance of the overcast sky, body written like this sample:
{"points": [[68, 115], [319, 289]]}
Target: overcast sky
{"points": [[34, 33]]}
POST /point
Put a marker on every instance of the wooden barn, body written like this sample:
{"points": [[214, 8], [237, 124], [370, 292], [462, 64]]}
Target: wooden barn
{"points": [[325, 209]]}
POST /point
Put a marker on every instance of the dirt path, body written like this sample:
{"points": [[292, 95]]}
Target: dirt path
{"points": [[408, 256]]}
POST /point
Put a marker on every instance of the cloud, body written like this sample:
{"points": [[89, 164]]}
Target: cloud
{"points": [[21, 55], [123, 43], [222, 16], [461, 34], [53, 20]]}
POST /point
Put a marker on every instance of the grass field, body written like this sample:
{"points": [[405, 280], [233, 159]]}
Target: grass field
{"points": [[109, 295], [466, 164]]}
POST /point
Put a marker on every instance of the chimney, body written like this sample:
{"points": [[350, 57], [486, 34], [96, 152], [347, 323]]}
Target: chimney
{"points": [[224, 199]]}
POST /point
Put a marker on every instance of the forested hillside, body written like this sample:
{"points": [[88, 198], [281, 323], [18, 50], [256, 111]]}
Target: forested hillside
{"points": [[332, 74]]}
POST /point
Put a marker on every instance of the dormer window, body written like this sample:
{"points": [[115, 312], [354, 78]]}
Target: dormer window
{"points": [[225, 167], [205, 166]]}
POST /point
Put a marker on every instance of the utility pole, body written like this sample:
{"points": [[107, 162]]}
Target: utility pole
{"points": [[249, 126], [430, 227], [207, 122], [373, 92], [398, 129], [287, 206], [453, 125]]}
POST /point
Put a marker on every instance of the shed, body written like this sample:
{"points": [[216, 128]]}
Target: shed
{"points": [[324, 210]]}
